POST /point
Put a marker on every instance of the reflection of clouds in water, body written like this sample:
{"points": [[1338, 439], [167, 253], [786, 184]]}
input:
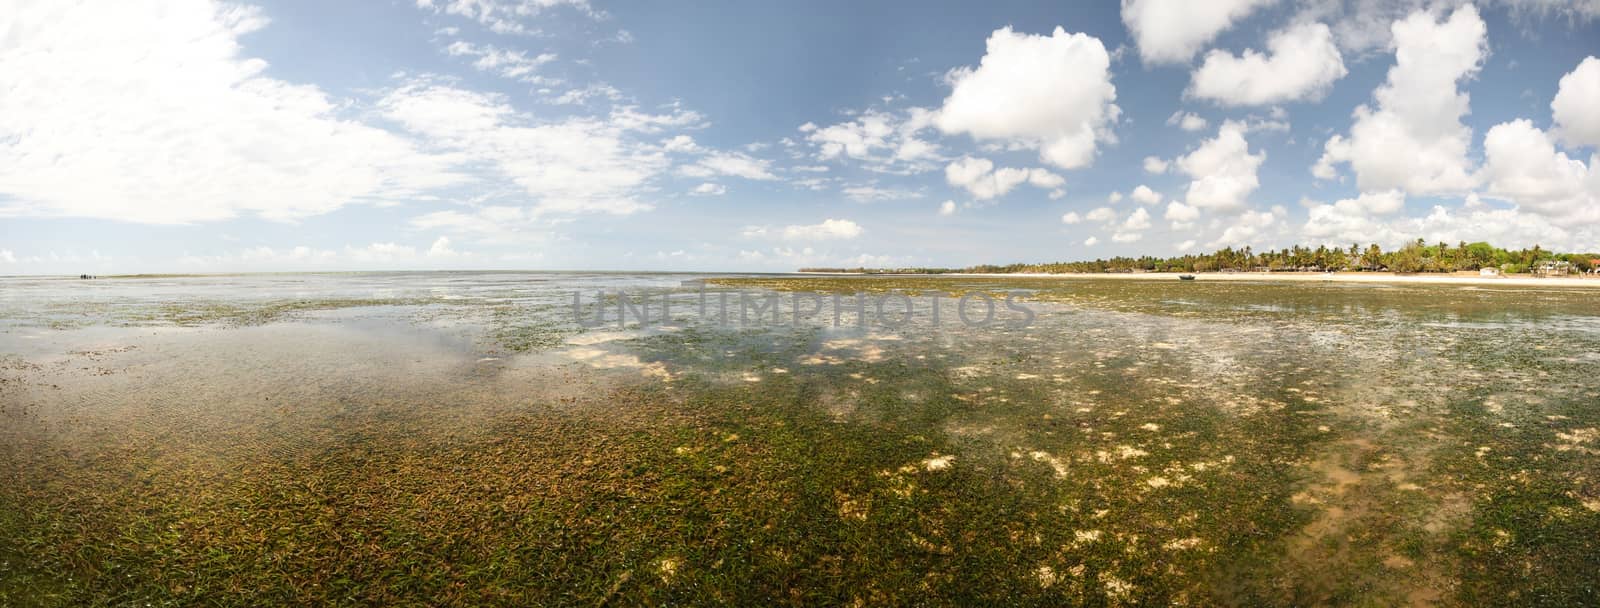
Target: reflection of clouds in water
{"points": [[602, 359]]}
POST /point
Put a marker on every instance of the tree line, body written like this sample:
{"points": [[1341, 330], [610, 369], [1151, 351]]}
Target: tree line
{"points": [[1414, 257]]}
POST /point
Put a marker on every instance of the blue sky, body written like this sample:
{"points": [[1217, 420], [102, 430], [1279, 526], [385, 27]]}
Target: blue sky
{"points": [[193, 136]]}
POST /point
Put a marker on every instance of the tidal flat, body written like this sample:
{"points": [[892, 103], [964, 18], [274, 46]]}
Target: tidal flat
{"points": [[461, 439]]}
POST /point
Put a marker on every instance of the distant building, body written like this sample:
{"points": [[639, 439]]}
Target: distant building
{"points": [[1553, 268], [1488, 272]]}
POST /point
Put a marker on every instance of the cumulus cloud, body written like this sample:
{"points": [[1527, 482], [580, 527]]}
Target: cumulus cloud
{"points": [[830, 229], [1574, 107], [1172, 31], [1180, 214], [1155, 164], [1522, 165], [947, 208], [441, 249], [1300, 64], [1188, 121], [1248, 227], [1414, 138], [1145, 196], [147, 112], [1071, 217], [1329, 225], [1090, 242], [1352, 219], [1222, 170], [1101, 214], [1138, 220], [980, 177], [1050, 93]]}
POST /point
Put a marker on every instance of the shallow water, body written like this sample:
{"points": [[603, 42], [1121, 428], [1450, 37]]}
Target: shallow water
{"points": [[457, 438]]}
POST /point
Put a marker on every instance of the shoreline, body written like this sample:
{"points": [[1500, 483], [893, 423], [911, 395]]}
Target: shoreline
{"points": [[1338, 277]]}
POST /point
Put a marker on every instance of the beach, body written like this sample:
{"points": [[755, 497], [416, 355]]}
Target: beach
{"points": [[1457, 278], [463, 439]]}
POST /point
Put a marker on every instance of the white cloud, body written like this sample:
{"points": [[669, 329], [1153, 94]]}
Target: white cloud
{"points": [[1188, 121], [1300, 64], [582, 95], [947, 208], [1375, 203], [1071, 217], [1362, 26], [1114, 198], [1126, 237], [736, 164], [801, 257], [1180, 213], [1522, 165], [504, 16], [1101, 214], [1050, 93], [493, 224], [1090, 242], [1576, 102], [1223, 170], [147, 112], [1355, 219], [441, 249], [1414, 139], [829, 229], [886, 141], [680, 143], [1172, 31], [1138, 220], [1566, 10], [516, 65], [386, 254], [709, 189], [979, 177], [1246, 228], [1155, 164], [578, 165], [865, 194], [7, 256], [1145, 196], [1510, 228]]}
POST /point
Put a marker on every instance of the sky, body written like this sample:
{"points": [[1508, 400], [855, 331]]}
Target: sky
{"points": [[200, 136]]}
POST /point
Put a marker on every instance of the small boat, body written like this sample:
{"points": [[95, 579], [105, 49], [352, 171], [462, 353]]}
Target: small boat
{"points": [[1185, 277]]}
